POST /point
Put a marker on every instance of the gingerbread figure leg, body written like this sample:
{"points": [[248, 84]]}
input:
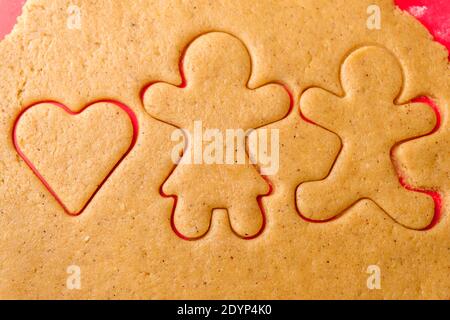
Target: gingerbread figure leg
{"points": [[411, 209], [192, 217], [324, 200], [246, 218]]}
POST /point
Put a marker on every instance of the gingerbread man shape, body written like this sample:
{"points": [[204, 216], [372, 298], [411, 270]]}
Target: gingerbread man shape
{"points": [[215, 96], [370, 124]]}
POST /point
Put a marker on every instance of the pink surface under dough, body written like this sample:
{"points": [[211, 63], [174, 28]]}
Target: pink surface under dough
{"points": [[434, 14], [9, 11]]}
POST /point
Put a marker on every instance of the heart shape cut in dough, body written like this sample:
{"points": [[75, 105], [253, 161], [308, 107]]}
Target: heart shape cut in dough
{"points": [[74, 153]]}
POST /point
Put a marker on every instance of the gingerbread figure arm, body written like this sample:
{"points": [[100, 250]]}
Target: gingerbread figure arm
{"points": [[413, 120], [269, 103], [159, 103], [323, 108]]}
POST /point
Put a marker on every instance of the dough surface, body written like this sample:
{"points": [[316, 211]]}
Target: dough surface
{"points": [[124, 241]]}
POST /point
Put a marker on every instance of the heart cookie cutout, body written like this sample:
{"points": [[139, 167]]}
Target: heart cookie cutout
{"points": [[74, 153]]}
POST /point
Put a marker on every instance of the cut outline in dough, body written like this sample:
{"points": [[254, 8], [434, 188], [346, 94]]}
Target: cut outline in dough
{"points": [[133, 119], [402, 177], [436, 196], [183, 85]]}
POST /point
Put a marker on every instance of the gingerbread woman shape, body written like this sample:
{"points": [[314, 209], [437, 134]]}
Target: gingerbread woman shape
{"points": [[370, 124], [215, 96]]}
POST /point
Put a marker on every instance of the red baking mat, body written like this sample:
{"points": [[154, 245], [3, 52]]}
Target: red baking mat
{"points": [[434, 14], [9, 10]]}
